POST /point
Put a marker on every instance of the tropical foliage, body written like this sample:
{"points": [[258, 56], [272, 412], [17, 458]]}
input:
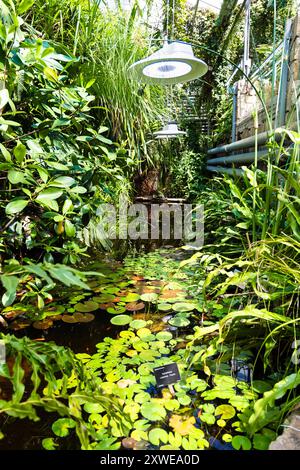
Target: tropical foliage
{"points": [[75, 133]]}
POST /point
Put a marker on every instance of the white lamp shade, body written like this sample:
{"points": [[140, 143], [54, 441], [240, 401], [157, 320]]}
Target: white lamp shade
{"points": [[173, 63], [170, 131]]}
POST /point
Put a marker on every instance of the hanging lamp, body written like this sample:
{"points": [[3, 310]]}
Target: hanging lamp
{"points": [[169, 131], [173, 63]]}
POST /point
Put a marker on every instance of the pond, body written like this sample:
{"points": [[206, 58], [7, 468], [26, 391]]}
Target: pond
{"points": [[137, 316]]}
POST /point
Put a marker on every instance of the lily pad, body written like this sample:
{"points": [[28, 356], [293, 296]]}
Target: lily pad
{"points": [[42, 324], [130, 297], [151, 297], [88, 306], [134, 306], [164, 336], [49, 443], [104, 298], [136, 324], [179, 321], [164, 307], [153, 411], [241, 442], [69, 319], [121, 320], [106, 306], [158, 435], [62, 426], [183, 307], [111, 290], [225, 411], [84, 317], [116, 310], [143, 332]]}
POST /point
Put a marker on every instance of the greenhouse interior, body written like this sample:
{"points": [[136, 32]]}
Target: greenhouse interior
{"points": [[150, 228]]}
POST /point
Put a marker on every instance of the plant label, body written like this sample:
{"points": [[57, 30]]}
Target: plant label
{"points": [[166, 375]]}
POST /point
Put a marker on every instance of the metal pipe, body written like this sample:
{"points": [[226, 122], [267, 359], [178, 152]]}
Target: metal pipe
{"points": [[234, 113], [229, 171], [246, 143], [239, 158], [284, 74]]}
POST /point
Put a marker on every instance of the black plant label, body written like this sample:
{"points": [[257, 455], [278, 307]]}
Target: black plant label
{"points": [[166, 375]]}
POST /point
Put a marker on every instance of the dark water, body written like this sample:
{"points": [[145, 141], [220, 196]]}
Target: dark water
{"points": [[80, 337]]}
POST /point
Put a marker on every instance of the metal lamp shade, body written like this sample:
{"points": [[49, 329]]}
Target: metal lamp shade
{"points": [[170, 131], [173, 63]]}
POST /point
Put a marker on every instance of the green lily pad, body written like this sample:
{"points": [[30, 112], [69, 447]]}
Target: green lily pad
{"points": [[103, 298], [164, 336], [179, 321], [61, 426], [49, 443], [225, 411], [164, 307], [241, 442], [121, 320], [149, 297], [88, 306], [116, 310], [69, 319], [143, 332], [131, 297], [153, 411], [158, 435], [149, 355], [137, 324], [111, 290], [83, 317], [183, 307]]}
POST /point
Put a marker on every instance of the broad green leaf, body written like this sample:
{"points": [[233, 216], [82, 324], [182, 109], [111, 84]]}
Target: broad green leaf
{"points": [[49, 193], [68, 206], [16, 206], [51, 74], [70, 228], [5, 153], [63, 182], [4, 97], [20, 152], [10, 283], [16, 177]]}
